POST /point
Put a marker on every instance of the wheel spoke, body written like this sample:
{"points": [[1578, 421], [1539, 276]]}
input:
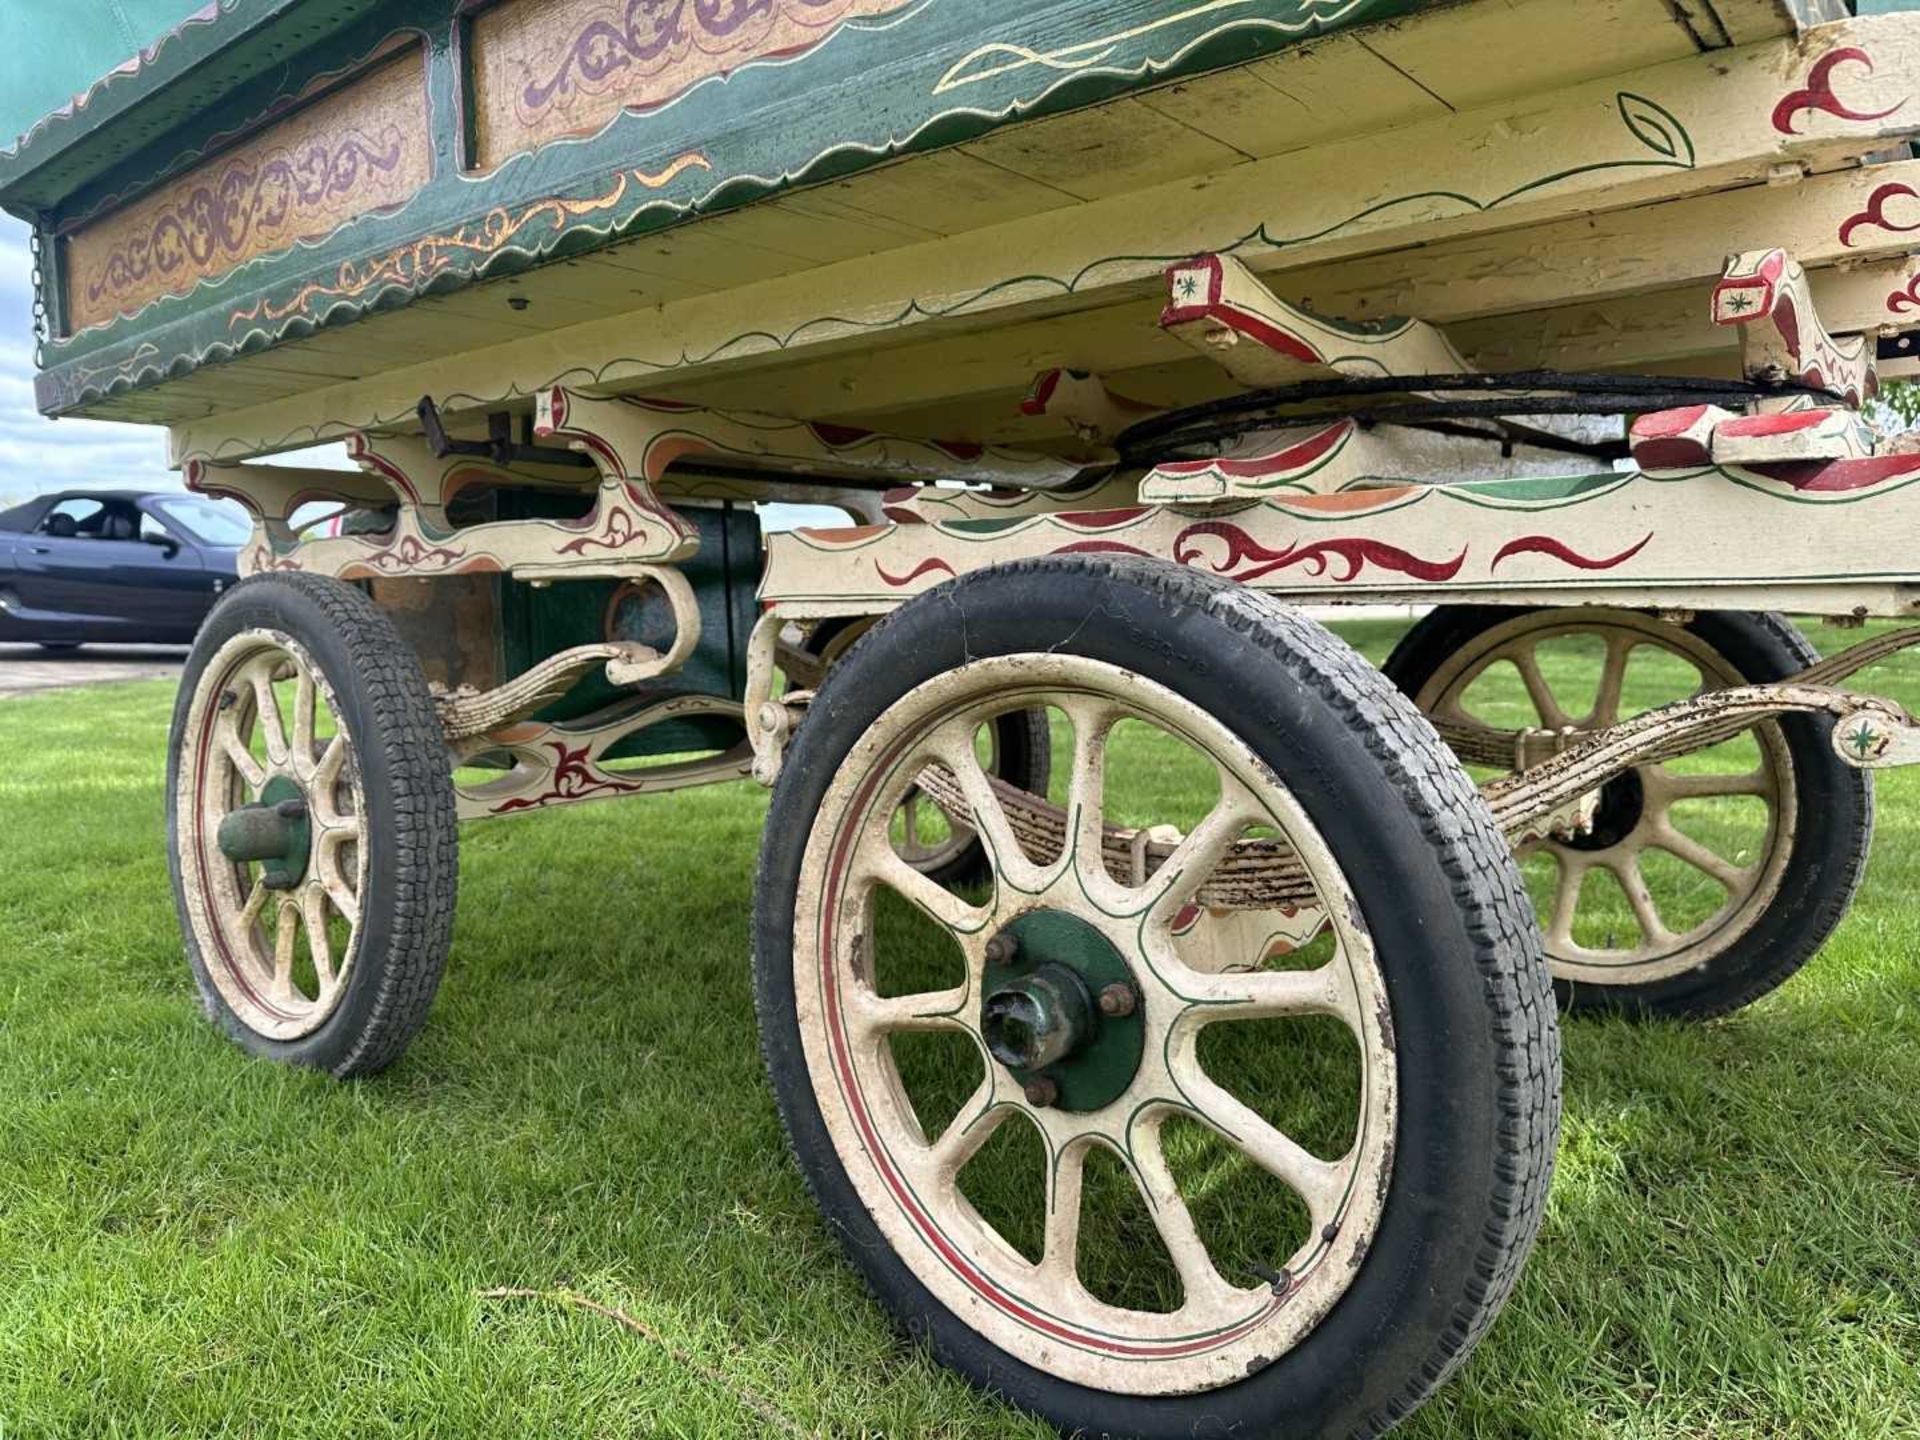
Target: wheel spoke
{"points": [[1200, 1280], [988, 818], [1613, 679], [1526, 660], [967, 1133], [935, 1010], [1199, 853], [1685, 848], [333, 878], [1646, 913], [884, 865], [1270, 994], [1316, 1181], [1060, 1252], [266, 706], [305, 704], [1087, 790], [286, 936], [313, 915], [1566, 898], [252, 772], [256, 902]]}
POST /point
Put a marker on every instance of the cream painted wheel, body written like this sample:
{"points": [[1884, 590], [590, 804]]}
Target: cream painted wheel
{"points": [[1129, 1026], [312, 829], [279, 931], [1043, 1312], [1679, 896]]}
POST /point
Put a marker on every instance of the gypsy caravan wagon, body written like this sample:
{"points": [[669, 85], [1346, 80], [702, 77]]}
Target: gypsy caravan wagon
{"points": [[1103, 336]]}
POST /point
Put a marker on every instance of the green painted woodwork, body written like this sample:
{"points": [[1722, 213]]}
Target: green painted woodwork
{"points": [[1105, 1050], [53, 52], [276, 833], [920, 79], [537, 623]]}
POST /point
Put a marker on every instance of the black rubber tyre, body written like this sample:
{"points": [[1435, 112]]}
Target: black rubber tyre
{"points": [[1829, 851], [407, 904], [1023, 750], [1475, 1034]]}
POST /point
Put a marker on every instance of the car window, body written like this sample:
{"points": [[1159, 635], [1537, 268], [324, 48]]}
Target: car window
{"points": [[78, 516], [215, 522], [152, 529]]}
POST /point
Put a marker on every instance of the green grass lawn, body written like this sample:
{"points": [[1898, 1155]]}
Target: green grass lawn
{"points": [[194, 1243]]}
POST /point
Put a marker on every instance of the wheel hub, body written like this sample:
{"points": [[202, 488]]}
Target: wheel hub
{"points": [[1623, 803], [1061, 1011], [276, 833]]}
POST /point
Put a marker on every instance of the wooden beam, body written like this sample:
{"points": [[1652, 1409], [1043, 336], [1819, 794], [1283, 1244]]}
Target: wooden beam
{"points": [[1730, 118]]}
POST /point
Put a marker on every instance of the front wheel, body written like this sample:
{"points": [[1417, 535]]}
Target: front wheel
{"points": [[311, 825], [1227, 1103]]}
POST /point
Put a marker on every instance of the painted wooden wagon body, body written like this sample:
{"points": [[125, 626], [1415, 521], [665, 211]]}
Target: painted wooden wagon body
{"points": [[1109, 328]]}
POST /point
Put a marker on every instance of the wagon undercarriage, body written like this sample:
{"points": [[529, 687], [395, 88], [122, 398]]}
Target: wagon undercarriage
{"points": [[1156, 324]]}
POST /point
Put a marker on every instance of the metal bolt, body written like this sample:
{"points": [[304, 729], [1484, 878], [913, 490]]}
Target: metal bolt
{"points": [[1278, 1281], [1042, 1092], [1001, 949], [291, 809], [1330, 1233], [518, 302], [1117, 1001]]}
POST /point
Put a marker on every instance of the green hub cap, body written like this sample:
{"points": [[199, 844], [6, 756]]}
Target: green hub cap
{"points": [[276, 833], [1042, 1017]]}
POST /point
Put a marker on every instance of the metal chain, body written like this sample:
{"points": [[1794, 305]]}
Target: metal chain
{"points": [[40, 316]]}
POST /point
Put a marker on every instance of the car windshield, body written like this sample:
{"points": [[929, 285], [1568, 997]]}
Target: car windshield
{"points": [[212, 522]]}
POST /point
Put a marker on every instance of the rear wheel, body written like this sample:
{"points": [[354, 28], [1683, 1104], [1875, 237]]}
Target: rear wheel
{"points": [[312, 829], [1708, 880], [1127, 1134]]}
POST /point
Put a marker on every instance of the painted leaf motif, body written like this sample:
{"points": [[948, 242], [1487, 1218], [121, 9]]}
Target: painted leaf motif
{"points": [[1654, 126]]}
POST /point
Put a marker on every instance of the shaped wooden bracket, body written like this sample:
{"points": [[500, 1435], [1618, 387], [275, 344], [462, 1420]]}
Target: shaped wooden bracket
{"points": [[1094, 412], [639, 439], [1782, 340], [567, 763], [467, 713], [272, 494], [1221, 309]]}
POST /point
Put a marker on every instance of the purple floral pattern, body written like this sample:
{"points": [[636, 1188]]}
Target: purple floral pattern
{"points": [[361, 150]]}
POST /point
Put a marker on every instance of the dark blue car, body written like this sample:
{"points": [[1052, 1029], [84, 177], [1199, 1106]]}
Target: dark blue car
{"points": [[104, 566]]}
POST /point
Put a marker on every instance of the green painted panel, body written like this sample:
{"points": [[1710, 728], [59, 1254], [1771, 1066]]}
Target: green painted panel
{"points": [[50, 53], [930, 75]]}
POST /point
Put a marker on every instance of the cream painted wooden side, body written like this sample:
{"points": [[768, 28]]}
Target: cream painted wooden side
{"points": [[1601, 146], [1671, 533]]}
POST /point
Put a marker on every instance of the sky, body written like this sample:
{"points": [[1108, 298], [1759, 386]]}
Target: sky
{"points": [[37, 454]]}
